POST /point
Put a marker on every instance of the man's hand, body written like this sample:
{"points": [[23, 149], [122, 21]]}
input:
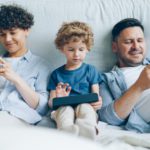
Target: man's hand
{"points": [[97, 105], [144, 79], [125, 104]]}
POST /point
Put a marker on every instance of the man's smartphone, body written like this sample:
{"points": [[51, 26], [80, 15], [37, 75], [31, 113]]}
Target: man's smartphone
{"points": [[74, 100]]}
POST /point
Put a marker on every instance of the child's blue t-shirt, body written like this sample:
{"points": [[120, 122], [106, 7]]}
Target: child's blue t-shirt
{"points": [[80, 80]]}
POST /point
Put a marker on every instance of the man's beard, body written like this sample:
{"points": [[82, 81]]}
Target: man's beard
{"points": [[129, 63]]}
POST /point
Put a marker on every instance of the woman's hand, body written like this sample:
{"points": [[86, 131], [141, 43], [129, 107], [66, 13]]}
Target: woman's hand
{"points": [[7, 72]]}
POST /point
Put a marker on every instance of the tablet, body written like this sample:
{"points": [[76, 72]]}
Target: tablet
{"points": [[74, 100]]}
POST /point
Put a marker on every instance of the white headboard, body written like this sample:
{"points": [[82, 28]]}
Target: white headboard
{"points": [[100, 14]]}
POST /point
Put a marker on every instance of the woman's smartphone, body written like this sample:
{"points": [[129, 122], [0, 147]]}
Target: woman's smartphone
{"points": [[1, 62]]}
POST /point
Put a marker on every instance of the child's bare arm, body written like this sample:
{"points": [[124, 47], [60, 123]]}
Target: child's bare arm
{"points": [[97, 105], [52, 95], [95, 88]]}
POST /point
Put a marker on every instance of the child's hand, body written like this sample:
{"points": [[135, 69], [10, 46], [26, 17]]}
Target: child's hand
{"points": [[62, 89], [97, 105]]}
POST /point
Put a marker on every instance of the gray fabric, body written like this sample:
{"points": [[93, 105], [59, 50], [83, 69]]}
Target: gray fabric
{"points": [[47, 122]]}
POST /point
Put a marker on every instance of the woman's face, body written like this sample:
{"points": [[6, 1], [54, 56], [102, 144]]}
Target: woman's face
{"points": [[14, 41]]}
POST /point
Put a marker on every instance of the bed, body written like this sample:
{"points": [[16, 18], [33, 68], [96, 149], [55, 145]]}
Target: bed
{"points": [[101, 15]]}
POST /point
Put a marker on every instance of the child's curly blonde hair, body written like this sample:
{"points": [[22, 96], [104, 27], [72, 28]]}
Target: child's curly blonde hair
{"points": [[74, 31]]}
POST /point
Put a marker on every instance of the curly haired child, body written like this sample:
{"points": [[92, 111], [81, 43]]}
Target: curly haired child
{"points": [[74, 40]]}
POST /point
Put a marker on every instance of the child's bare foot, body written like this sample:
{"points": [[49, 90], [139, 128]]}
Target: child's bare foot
{"points": [[62, 89]]}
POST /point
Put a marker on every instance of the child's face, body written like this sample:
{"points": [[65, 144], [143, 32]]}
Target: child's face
{"points": [[75, 53]]}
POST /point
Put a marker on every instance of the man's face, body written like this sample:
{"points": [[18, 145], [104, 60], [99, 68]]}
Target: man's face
{"points": [[130, 47], [13, 40]]}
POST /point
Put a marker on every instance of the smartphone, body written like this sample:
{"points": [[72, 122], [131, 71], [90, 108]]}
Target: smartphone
{"points": [[1, 65], [1, 61]]}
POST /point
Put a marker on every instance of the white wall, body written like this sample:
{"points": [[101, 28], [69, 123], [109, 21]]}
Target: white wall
{"points": [[100, 14]]}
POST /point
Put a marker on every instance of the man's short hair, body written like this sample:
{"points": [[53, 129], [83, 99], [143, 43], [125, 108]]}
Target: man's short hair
{"points": [[123, 24], [13, 16]]}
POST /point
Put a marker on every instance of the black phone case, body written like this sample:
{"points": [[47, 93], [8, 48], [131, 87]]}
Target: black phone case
{"points": [[74, 100]]}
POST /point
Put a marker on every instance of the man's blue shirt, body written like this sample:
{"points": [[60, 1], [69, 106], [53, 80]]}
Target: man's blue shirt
{"points": [[113, 87]]}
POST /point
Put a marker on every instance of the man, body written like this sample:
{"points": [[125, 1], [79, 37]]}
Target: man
{"points": [[125, 90], [23, 76]]}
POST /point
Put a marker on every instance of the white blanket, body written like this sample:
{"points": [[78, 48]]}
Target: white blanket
{"points": [[115, 137], [111, 138]]}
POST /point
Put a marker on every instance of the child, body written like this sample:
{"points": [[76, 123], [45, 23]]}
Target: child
{"points": [[74, 40]]}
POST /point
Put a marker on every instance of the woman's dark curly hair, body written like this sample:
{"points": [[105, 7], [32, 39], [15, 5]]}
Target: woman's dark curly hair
{"points": [[13, 16]]}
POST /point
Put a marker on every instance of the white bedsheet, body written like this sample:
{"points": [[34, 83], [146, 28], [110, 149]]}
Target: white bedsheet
{"points": [[115, 137]]}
